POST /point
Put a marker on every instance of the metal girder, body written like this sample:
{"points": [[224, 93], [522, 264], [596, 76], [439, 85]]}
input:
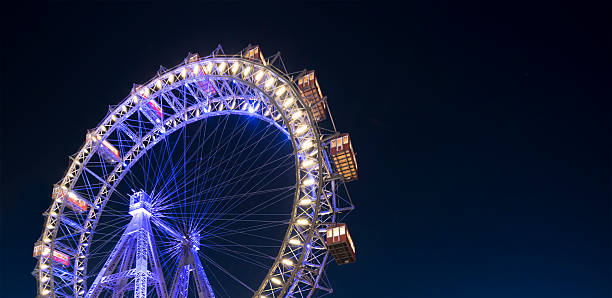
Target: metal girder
{"points": [[131, 134], [193, 93], [170, 100]]}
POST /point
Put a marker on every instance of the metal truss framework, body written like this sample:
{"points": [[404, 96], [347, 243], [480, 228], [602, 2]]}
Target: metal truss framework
{"points": [[197, 89], [134, 254]]}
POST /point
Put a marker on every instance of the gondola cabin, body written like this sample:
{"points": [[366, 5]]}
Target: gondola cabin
{"points": [[192, 58], [112, 150], [109, 152], [152, 109], [309, 87], [254, 53], [73, 201], [58, 256], [340, 244], [343, 157], [156, 108]]}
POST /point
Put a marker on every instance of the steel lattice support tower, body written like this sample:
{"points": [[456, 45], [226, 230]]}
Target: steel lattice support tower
{"points": [[190, 263], [136, 252]]}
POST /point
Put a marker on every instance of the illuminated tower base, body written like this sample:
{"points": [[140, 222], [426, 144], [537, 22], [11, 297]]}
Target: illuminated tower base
{"points": [[133, 264]]}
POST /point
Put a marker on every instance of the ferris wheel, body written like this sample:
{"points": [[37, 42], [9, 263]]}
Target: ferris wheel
{"points": [[224, 176]]}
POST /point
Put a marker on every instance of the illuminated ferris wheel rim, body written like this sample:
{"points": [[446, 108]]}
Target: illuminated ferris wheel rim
{"points": [[282, 101]]}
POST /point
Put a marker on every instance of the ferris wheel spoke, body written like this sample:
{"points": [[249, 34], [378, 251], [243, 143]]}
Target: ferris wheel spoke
{"points": [[177, 187], [153, 162], [235, 202], [176, 169], [253, 160], [272, 200], [214, 215], [207, 201], [209, 260], [168, 163], [231, 181], [217, 281], [218, 199], [239, 178], [207, 206], [241, 245], [240, 166], [244, 257], [246, 232], [225, 206], [248, 174], [263, 204]]}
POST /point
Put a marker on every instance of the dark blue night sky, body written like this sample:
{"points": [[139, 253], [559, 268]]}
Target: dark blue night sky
{"points": [[482, 131]]}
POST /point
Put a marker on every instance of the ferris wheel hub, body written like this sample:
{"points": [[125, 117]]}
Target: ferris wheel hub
{"points": [[191, 240]]}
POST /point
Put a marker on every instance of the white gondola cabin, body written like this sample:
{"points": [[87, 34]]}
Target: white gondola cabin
{"points": [[309, 87], [58, 256], [343, 157], [153, 110], [107, 150], [156, 109], [340, 244], [192, 58], [73, 201]]}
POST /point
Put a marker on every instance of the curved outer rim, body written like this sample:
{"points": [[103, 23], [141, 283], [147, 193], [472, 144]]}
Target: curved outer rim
{"points": [[88, 150]]}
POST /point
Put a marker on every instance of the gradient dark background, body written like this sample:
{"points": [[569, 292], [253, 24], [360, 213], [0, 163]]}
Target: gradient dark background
{"points": [[482, 131]]}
